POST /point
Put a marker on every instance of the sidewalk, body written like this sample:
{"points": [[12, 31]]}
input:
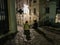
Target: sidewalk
{"points": [[51, 35], [52, 29]]}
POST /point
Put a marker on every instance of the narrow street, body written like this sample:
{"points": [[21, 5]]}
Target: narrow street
{"points": [[43, 38], [43, 14]]}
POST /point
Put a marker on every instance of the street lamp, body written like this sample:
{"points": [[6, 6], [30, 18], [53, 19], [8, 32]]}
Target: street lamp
{"points": [[20, 11]]}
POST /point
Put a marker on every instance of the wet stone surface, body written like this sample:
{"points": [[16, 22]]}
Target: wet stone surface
{"points": [[36, 38]]}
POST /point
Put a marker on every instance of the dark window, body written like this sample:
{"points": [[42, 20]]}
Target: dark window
{"points": [[58, 3], [34, 10], [30, 2], [27, 1], [47, 10], [34, 1], [57, 10], [30, 12]]}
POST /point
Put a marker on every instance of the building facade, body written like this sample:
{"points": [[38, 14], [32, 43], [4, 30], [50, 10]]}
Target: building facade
{"points": [[47, 10], [34, 10], [18, 6]]}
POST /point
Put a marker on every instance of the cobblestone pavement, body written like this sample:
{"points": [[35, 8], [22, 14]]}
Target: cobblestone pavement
{"points": [[36, 38]]}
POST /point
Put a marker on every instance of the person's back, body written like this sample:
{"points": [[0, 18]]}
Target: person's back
{"points": [[26, 26], [26, 30]]}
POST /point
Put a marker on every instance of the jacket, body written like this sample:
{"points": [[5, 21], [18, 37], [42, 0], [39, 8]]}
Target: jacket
{"points": [[26, 26]]}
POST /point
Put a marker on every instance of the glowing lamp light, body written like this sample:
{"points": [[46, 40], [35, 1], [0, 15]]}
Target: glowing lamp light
{"points": [[26, 9]]}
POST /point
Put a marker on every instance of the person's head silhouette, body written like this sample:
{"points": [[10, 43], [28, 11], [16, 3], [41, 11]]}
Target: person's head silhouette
{"points": [[35, 21], [26, 21]]}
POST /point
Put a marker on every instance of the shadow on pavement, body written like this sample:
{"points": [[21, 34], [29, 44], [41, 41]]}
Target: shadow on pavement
{"points": [[54, 30], [44, 35]]}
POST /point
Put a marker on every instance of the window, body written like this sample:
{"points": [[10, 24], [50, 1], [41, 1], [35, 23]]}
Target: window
{"points": [[27, 1], [57, 10], [35, 11], [47, 10], [30, 12], [30, 2], [34, 1]]}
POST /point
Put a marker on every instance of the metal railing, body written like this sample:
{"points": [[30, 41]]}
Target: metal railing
{"points": [[3, 17]]}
